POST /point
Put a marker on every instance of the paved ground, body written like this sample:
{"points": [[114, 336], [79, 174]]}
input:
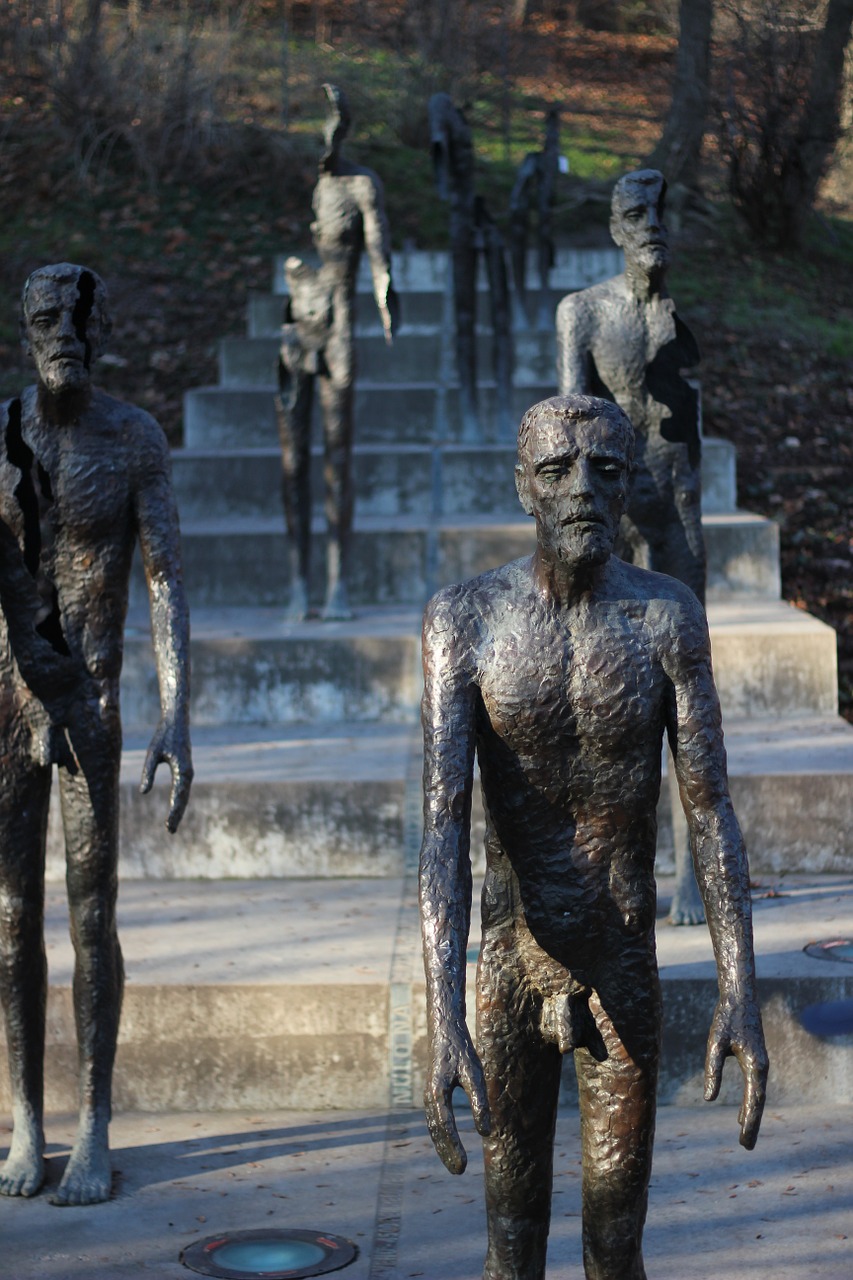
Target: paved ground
{"points": [[782, 1212]]}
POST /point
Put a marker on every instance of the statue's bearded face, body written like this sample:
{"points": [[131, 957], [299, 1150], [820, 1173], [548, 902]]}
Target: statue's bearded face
{"points": [[573, 478], [637, 224], [63, 332]]}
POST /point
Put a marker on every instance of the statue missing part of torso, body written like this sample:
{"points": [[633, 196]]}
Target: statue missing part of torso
{"points": [[622, 339], [318, 350], [82, 476]]}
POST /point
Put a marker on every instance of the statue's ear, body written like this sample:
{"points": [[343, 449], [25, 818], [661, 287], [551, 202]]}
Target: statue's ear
{"points": [[523, 488]]}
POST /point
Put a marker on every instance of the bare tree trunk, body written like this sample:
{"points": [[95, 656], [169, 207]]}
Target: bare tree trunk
{"points": [[678, 152], [821, 123]]}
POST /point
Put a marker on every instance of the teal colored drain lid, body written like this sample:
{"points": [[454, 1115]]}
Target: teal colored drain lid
{"points": [[283, 1254]]}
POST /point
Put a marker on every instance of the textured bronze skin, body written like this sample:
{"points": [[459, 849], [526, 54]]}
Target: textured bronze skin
{"points": [[82, 477], [563, 673], [623, 340], [318, 351]]}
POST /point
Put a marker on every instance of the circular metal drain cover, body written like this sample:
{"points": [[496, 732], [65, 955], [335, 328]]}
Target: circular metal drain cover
{"points": [[285, 1254], [833, 949]]}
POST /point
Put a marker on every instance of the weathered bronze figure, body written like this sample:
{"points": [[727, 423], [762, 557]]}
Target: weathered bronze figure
{"points": [[622, 339], [535, 186], [318, 347], [472, 232], [82, 475], [563, 672]]}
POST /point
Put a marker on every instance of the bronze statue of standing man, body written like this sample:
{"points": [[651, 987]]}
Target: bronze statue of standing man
{"points": [[624, 340], [318, 351], [562, 673], [83, 476]]}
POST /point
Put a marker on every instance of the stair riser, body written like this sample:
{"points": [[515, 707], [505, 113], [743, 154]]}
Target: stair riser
{"points": [[218, 1048], [392, 482]]}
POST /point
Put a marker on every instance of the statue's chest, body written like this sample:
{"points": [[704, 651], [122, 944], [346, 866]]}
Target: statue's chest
{"points": [[554, 686], [629, 339]]}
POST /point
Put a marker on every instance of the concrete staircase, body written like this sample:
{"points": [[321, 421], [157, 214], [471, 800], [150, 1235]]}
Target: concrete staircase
{"points": [[306, 742]]}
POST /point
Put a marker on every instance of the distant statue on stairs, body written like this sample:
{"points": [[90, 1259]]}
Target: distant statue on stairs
{"points": [[623, 339], [472, 232], [318, 350], [535, 187]]}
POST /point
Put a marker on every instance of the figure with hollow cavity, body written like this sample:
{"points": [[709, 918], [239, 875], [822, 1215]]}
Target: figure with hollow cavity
{"points": [[624, 340], [83, 476], [562, 673], [318, 351]]}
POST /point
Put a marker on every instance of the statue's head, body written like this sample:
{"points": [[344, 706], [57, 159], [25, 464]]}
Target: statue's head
{"points": [[336, 125], [64, 324], [637, 219], [575, 457]]}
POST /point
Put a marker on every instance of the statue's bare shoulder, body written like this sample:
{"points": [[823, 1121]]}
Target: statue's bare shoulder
{"points": [[460, 620], [581, 313]]}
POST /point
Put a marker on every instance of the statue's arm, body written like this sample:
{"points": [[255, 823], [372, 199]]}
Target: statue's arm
{"points": [[377, 241], [159, 541], [573, 347], [722, 871], [448, 715]]}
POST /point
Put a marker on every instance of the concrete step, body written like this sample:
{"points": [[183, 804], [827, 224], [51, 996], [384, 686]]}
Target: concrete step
{"points": [[249, 666], [415, 356], [401, 560], [321, 800], [329, 799], [429, 271], [404, 413], [390, 480], [421, 311], [248, 994]]}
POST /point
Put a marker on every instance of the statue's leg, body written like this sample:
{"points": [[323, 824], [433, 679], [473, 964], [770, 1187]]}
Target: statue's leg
{"points": [[523, 1080], [617, 1105], [293, 412], [336, 401], [24, 795], [90, 807]]}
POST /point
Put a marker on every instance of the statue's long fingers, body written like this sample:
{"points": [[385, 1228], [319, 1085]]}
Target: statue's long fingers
{"points": [[716, 1056], [441, 1123], [179, 796], [474, 1084], [754, 1097], [152, 759]]}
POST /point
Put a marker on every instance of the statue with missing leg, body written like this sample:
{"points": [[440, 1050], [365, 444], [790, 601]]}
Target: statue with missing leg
{"points": [[561, 673], [318, 351], [624, 340], [82, 478]]}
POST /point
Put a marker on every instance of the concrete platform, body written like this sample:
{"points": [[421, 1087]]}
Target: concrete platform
{"points": [[310, 993], [781, 1212]]}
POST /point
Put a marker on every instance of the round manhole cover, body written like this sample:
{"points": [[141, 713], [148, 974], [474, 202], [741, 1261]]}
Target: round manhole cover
{"points": [[831, 949], [285, 1254]]}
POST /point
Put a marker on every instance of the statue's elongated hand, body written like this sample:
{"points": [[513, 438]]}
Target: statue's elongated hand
{"points": [[736, 1031], [454, 1063], [170, 745]]}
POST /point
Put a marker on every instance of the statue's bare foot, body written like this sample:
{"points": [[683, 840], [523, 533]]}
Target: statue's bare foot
{"points": [[23, 1172], [297, 607], [88, 1174], [336, 608], [687, 906]]}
